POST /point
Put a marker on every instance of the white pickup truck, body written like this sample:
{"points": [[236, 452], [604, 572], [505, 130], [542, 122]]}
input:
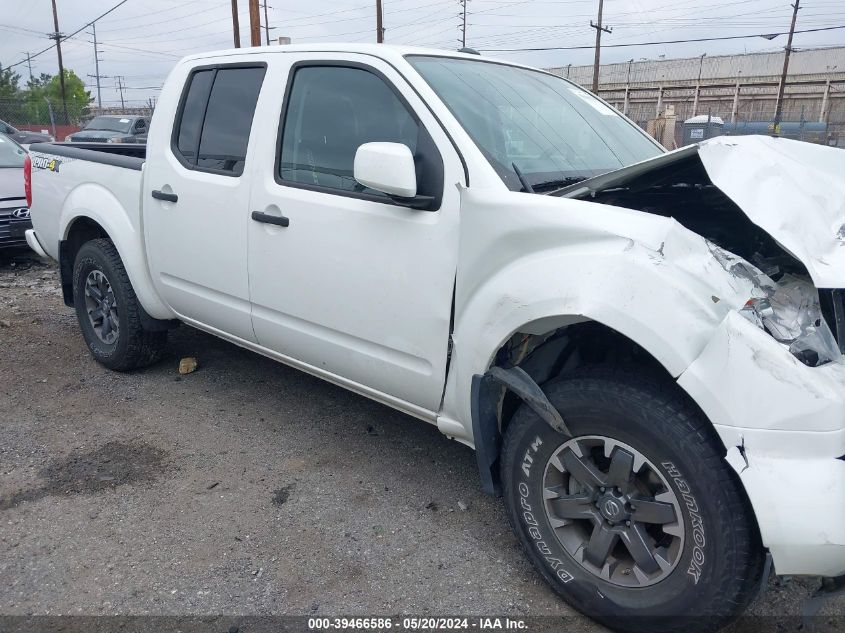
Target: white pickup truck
{"points": [[644, 348]]}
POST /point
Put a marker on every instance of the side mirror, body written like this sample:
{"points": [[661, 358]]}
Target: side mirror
{"points": [[390, 168]]}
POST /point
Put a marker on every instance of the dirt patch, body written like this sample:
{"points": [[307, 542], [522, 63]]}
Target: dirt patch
{"points": [[113, 464], [281, 495]]}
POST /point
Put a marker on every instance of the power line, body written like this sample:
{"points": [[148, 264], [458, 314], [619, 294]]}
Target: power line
{"points": [[698, 39], [67, 37]]}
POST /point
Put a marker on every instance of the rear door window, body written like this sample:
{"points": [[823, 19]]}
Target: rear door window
{"points": [[193, 111], [216, 118]]}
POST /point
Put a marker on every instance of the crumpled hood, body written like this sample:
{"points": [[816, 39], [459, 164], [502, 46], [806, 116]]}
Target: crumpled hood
{"points": [[794, 191]]}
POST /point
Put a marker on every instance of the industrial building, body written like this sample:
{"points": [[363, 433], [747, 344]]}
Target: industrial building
{"points": [[739, 89]]}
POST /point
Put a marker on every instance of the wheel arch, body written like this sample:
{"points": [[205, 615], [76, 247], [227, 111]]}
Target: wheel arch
{"points": [[545, 349], [80, 230], [90, 212]]}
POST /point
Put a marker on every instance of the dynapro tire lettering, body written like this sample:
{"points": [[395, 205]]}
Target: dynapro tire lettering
{"points": [[528, 460], [531, 521], [698, 537], [46, 162]]}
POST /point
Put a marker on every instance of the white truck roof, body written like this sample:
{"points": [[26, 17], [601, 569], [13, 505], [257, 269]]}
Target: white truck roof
{"points": [[384, 51]]}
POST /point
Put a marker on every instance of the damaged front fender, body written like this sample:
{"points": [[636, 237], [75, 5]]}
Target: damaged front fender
{"points": [[783, 424], [548, 261]]}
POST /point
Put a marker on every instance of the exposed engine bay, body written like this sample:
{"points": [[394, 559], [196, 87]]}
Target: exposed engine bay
{"points": [[787, 304]]}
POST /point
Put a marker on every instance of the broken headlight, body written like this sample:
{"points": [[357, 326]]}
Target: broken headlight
{"points": [[791, 313]]}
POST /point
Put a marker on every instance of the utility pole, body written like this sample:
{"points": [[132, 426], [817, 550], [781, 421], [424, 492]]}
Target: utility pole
{"points": [[782, 87], [266, 23], [735, 107], [627, 88], [464, 24], [97, 64], [29, 64], [58, 37], [120, 87], [698, 85], [599, 29], [236, 27], [379, 23], [254, 23]]}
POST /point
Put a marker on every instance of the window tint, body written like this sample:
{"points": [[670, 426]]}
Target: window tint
{"points": [[217, 118], [228, 119], [333, 110], [193, 111]]}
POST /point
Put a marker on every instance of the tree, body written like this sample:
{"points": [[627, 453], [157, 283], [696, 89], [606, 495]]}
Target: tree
{"points": [[76, 96], [36, 110], [29, 105], [10, 104], [38, 82], [9, 87]]}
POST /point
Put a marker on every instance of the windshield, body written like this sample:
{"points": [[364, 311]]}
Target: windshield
{"points": [[11, 154], [533, 126], [112, 124]]}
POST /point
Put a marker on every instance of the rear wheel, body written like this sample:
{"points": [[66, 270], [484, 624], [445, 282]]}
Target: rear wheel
{"points": [[108, 310], [636, 520]]}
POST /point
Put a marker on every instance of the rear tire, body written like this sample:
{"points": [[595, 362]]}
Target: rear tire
{"points": [[108, 311], [583, 541]]}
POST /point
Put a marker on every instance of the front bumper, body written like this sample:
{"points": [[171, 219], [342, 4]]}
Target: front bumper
{"points": [[801, 504], [783, 425]]}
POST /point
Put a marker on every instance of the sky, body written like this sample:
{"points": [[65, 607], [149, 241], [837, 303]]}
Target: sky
{"points": [[141, 39]]}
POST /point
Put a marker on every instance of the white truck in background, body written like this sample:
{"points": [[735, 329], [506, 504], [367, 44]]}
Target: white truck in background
{"points": [[644, 348]]}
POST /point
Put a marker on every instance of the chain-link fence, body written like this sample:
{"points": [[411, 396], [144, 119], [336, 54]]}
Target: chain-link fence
{"points": [[34, 110], [48, 116]]}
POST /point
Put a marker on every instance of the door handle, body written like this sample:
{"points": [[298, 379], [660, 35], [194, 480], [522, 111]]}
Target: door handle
{"points": [[266, 218], [167, 197]]}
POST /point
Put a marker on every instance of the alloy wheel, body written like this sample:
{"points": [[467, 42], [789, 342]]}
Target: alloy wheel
{"points": [[613, 511], [101, 306]]}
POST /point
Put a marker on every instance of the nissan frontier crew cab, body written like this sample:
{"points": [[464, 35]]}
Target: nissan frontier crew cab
{"points": [[643, 348]]}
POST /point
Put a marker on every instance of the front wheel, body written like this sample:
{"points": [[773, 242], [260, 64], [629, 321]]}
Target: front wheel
{"points": [[108, 311], [636, 521]]}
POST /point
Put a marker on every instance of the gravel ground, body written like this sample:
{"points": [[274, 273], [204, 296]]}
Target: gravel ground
{"points": [[243, 488]]}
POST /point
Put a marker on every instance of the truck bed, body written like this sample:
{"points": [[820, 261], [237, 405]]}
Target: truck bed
{"points": [[129, 155], [101, 181]]}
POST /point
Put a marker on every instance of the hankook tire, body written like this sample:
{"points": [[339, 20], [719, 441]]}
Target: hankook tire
{"points": [[636, 521]]}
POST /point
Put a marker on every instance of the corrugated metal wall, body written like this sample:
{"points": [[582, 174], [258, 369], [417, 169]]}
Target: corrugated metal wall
{"points": [[655, 84], [724, 67]]}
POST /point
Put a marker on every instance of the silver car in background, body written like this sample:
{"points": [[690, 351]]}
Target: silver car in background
{"points": [[14, 211]]}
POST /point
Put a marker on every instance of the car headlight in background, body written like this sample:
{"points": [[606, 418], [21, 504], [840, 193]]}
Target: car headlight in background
{"points": [[791, 313], [116, 139], [68, 139]]}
